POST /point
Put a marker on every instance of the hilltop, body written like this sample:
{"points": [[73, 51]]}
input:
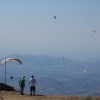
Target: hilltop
{"points": [[13, 95], [9, 93]]}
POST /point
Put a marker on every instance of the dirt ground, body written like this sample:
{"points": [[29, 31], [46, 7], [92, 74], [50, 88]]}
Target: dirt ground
{"points": [[7, 95]]}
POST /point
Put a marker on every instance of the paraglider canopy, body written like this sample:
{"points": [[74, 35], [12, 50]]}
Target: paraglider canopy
{"points": [[4, 62], [54, 17], [93, 31], [85, 72], [7, 59]]}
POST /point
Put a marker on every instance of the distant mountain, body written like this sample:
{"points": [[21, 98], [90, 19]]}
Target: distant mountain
{"points": [[42, 60], [54, 75]]}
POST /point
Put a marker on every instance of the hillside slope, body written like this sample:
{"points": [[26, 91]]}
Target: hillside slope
{"points": [[8, 93], [12, 95]]}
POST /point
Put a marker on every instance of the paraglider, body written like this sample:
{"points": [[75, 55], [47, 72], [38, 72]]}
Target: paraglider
{"points": [[54, 17], [93, 31], [85, 72], [11, 77], [7, 59], [4, 62]]}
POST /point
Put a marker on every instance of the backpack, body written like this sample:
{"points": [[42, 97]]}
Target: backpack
{"points": [[33, 80]]}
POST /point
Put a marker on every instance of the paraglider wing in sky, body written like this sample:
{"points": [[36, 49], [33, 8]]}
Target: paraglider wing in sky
{"points": [[54, 17], [93, 31], [85, 72], [7, 59]]}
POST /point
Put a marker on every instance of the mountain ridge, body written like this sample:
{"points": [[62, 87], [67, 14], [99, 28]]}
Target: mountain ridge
{"points": [[59, 75]]}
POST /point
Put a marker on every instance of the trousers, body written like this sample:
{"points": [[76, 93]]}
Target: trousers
{"points": [[21, 90]]}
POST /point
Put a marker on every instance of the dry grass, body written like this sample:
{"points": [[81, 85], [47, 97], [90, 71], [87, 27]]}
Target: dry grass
{"points": [[16, 96]]}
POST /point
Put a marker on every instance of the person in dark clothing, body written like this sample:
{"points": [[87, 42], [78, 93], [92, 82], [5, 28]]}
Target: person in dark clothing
{"points": [[22, 85]]}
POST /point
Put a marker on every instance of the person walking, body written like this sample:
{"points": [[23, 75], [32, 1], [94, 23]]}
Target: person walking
{"points": [[32, 83], [22, 85]]}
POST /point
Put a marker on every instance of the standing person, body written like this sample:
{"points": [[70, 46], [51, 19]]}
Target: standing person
{"points": [[32, 83], [22, 85]]}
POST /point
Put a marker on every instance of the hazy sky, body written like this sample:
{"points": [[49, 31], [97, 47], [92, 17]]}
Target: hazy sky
{"points": [[27, 27]]}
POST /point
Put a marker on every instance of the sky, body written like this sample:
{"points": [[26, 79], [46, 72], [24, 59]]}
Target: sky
{"points": [[28, 27]]}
